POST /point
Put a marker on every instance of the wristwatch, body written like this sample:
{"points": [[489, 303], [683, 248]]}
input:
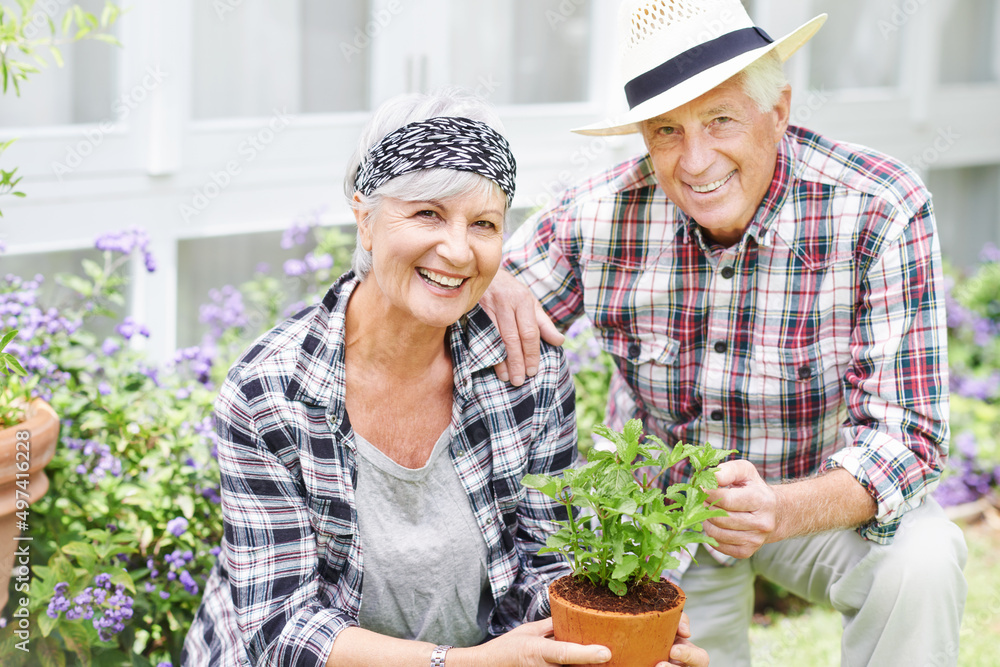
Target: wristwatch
{"points": [[437, 655]]}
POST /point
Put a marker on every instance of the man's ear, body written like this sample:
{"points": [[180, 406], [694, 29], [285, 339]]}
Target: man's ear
{"points": [[782, 112], [362, 216]]}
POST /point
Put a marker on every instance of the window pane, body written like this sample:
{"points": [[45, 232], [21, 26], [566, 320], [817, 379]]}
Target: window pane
{"points": [[81, 91], [258, 57], [208, 264], [858, 47], [973, 25], [522, 51]]}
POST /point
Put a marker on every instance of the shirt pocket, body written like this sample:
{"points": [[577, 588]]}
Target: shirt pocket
{"points": [[796, 387], [650, 367], [335, 524]]}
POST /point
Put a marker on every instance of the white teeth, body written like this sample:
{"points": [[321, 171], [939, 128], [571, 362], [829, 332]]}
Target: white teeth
{"points": [[713, 186], [444, 281]]}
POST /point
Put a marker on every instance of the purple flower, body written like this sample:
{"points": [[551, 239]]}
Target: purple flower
{"points": [[97, 460], [125, 241], [178, 526], [990, 253], [295, 267], [129, 327], [104, 388], [110, 346], [965, 443], [314, 263], [188, 582], [225, 311], [108, 609], [298, 232], [199, 362]]}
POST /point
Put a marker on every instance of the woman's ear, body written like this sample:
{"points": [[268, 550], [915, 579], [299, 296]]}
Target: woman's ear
{"points": [[362, 216]]}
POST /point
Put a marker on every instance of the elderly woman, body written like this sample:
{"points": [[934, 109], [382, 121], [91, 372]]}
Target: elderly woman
{"points": [[370, 456]]}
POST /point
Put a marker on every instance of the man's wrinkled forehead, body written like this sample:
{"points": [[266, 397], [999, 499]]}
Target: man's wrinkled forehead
{"points": [[726, 99]]}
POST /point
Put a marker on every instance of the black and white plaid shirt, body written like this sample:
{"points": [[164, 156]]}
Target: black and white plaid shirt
{"points": [[289, 577]]}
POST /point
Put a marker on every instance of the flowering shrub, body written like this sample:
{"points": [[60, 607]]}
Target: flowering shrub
{"points": [[124, 540], [974, 357]]}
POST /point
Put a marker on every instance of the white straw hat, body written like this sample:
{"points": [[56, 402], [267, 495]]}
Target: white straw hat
{"points": [[673, 51]]}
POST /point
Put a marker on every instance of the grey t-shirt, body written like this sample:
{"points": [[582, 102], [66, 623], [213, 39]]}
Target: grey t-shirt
{"points": [[424, 554]]}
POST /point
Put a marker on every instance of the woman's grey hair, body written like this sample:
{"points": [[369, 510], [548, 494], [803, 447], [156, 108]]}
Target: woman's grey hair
{"points": [[426, 184], [763, 80]]}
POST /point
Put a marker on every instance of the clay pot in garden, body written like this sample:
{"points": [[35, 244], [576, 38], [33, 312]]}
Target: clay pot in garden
{"points": [[25, 450], [639, 632]]}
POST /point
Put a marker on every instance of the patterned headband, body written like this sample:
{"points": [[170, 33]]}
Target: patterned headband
{"points": [[462, 144]]}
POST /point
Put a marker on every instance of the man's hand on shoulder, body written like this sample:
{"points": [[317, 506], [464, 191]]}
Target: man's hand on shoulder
{"points": [[522, 324]]}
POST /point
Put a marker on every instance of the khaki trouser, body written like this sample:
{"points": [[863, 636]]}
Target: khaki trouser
{"points": [[901, 603]]}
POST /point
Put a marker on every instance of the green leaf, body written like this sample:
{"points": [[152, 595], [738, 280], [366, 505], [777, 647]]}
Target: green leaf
{"points": [[547, 484], [56, 55], [7, 337], [46, 624], [633, 430], [186, 505], [78, 285], [617, 587], [77, 639], [628, 565], [94, 270], [614, 436], [617, 481], [125, 579], [626, 506], [12, 364]]}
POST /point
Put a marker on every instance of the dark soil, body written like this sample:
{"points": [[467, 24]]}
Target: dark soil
{"points": [[646, 597]]}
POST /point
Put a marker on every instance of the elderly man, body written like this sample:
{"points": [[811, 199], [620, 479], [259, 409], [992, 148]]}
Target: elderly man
{"points": [[766, 289]]}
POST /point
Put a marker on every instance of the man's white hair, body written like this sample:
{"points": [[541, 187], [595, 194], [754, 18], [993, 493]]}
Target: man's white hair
{"points": [[763, 80], [425, 184]]}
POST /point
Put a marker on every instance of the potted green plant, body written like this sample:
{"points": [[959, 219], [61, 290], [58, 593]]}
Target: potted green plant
{"points": [[629, 531]]}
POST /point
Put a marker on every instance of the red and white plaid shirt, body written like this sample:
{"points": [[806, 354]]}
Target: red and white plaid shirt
{"points": [[818, 341]]}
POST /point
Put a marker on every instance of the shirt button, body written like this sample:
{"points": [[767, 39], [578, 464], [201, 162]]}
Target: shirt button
{"points": [[716, 415], [805, 372], [720, 347], [633, 350], [461, 453], [728, 272], [489, 521]]}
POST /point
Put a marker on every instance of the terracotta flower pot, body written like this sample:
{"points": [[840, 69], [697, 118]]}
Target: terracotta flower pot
{"points": [[25, 449], [635, 640]]}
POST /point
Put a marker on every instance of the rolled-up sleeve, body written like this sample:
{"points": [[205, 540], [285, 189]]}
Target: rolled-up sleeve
{"points": [[896, 439]]}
